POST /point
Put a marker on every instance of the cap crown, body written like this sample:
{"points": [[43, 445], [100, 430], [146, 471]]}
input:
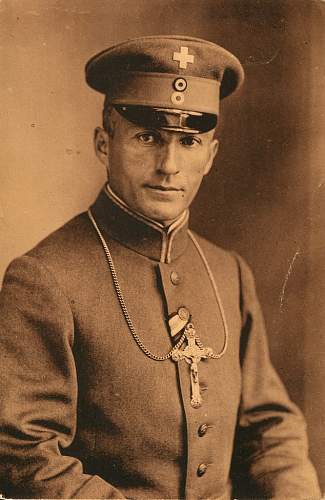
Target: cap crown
{"points": [[166, 71]]}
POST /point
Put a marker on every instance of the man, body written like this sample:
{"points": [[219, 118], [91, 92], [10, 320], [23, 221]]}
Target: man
{"points": [[134, 357]]}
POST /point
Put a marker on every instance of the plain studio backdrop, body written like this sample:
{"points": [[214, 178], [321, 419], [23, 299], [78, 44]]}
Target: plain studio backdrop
{"points": [[264, 198]]}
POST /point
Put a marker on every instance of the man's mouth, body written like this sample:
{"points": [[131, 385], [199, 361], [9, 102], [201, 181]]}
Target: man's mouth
{"points": [[159, 187]]}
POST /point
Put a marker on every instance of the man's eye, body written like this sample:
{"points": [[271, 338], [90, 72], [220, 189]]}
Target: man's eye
{"points": [[147, 138], [190, 141]]}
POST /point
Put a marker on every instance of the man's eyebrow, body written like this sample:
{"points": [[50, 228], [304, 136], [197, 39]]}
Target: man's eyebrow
{"points": [[149, 131]]}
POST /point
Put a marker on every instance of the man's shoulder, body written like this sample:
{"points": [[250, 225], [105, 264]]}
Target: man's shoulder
{"points": [[64, 244], [226, 264], [58, 257], [230, 269], [216, 254]]}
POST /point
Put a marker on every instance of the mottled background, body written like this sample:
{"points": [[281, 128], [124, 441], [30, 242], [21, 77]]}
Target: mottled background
{"points": [[266, 195]]}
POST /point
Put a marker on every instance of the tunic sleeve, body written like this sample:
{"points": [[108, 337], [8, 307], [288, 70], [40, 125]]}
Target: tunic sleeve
{"points": [[38, 390], [270, 456]]}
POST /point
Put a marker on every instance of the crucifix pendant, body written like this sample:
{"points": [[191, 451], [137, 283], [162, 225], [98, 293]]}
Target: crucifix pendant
{"points": [[193, 354]]}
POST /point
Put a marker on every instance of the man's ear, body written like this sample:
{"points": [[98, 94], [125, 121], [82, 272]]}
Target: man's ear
{"points": [[101, 145], [214, 146]]}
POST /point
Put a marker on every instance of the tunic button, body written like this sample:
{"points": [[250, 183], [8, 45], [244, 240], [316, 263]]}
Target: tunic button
{"points": [[183, 313], [175, 278], [202, 430], [201, 469]]}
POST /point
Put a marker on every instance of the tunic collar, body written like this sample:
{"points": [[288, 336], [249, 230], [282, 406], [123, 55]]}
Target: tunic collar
{"points": [[139, 233]]}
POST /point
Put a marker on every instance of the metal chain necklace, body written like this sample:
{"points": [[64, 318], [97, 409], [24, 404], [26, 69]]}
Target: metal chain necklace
{"points": [[194, 351], [188, 331]]}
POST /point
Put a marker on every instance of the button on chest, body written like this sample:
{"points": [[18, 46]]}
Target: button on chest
{"points": [[201, 470], [202, 430], [175, 278]]}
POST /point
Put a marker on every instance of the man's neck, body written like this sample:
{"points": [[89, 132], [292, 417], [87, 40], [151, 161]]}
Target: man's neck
{"points": [[167, 226], [138, 233]]}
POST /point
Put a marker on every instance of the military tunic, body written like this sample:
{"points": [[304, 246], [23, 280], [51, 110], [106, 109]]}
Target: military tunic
{"points": [[84, 413]]}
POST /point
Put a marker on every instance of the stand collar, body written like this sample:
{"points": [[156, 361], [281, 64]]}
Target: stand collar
{"points": [[139, 233]]}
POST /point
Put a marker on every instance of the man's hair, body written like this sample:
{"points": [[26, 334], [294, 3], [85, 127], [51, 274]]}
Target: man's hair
{"points": [[107, 122]]}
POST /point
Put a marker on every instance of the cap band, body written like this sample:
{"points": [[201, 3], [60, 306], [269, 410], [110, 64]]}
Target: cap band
{"points": [[165, 90]]}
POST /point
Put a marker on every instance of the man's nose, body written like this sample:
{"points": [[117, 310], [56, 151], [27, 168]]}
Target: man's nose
{"points": [[168, 162]]}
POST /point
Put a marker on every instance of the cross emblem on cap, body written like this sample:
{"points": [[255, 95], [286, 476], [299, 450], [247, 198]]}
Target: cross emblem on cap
{"points": [[183, 57]]}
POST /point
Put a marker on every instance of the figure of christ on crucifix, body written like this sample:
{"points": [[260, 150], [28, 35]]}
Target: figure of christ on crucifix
{"points": [[193, 354]]}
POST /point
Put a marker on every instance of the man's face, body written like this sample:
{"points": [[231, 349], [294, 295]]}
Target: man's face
{"points": [[155, 172]]}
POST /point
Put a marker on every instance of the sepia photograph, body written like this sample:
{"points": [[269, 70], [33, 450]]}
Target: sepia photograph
{"points": [[162, 249]]}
